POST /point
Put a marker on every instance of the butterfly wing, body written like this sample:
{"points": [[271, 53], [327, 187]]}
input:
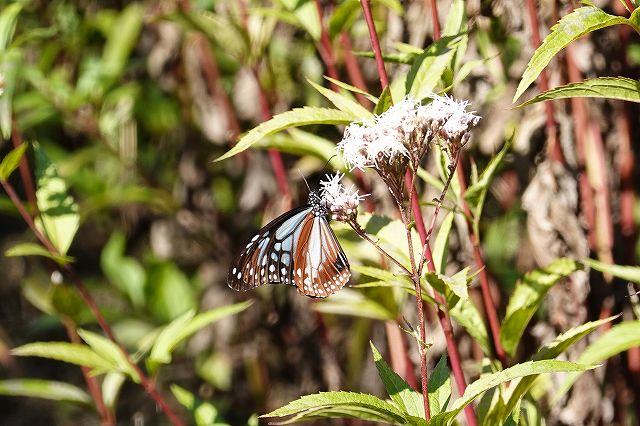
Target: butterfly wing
{"points": [[269, 256], [321, 267]]}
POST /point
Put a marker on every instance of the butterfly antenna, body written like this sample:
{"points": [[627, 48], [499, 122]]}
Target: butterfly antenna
{"points": [[304, 179]]}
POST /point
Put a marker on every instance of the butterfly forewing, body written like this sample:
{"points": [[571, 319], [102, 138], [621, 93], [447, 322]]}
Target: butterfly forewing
{"points": [[268, 257], [298, 248]]}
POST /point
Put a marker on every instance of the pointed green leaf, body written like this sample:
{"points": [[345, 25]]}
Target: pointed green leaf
{"points": [[385, 101], [186, 326], [342, 102], [626, 273], [571, 27], [72, 353], [8, 20], [439, 387], [621, 88], [477, 191], [441, 246], [489, 381], [11, 161], [58, 218], [32, 249], [111, 386], [353, 89], [527, 297], [124, 272], [619, 338], [549, 351], [46, 389], [341, 404], [298, 142], [465, 313], [295, 118], [456, 284], [203, 413], [110, 351], [122, 38], [350, 302], [400, 392]]}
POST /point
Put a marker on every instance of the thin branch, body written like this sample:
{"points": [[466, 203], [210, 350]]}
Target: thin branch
{"points": [[88, 299]]}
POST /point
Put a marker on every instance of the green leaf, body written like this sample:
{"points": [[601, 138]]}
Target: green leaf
{"points": [[111, 386], [58, 218], [351, 88], [122, 38], [203, 413], [110, 351], [549, 351], [171, 292], [350, 302], [298, 142], [441, 245], [342, 102], [489, 381], [465, 313], [571, 27], [11, 161], [341, 404], [32, 249], [626, 273], [619, 338], [527, 297], [11, 69], [124, 272], [400, 392], [385, 101], [477, 191], [621, 88], [456, 284], [439, 387], [186, 326], [47, 389], [72, 353], [8, 20], [343, 17], [295, 118]]}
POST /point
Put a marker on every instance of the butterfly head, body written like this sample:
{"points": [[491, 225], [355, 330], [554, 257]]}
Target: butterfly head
{"points": [[318, 204]]}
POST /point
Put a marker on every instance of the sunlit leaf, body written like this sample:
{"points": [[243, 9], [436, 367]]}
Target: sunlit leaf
{"points": [[11, 161], [439, 387], [8, 19], [341, 404], [624, 272], [571, 27], [441, 246], [528, 296], [58, 217], [489, 381], [111, 386], [203, 413], [110, 351], [350, 302], [294, 118], [342, 102], [46, 389], [400, 392], [619, 338], [72, 353], [32, 249], [621, 88]]}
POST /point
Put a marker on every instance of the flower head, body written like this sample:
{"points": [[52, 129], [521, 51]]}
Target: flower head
{"points": [[342, 202]]}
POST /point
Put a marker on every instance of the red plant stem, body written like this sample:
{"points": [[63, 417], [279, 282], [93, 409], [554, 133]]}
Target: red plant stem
{"points": [[88, 299], [92, 384], [487, 300], [433, 7], [554, 150], [212, 74], [353, 68], [443, 315], [325, 49], [25, 172], [274, 156], [375, 43], [580, 126]]}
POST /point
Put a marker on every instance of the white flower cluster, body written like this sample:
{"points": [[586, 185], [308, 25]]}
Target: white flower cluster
{"points": [[402, 133], [342, 202]]}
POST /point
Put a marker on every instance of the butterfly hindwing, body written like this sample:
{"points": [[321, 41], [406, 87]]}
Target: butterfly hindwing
{"points": [[321, 267]]}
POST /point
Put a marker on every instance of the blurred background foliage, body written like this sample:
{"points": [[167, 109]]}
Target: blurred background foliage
{"points": [[132, 102]]}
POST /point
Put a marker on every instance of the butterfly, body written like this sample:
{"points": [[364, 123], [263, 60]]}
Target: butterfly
{"points": [[298, 248]]}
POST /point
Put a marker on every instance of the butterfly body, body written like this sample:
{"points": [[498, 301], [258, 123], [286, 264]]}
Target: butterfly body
{"points": [[298, 248]]}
